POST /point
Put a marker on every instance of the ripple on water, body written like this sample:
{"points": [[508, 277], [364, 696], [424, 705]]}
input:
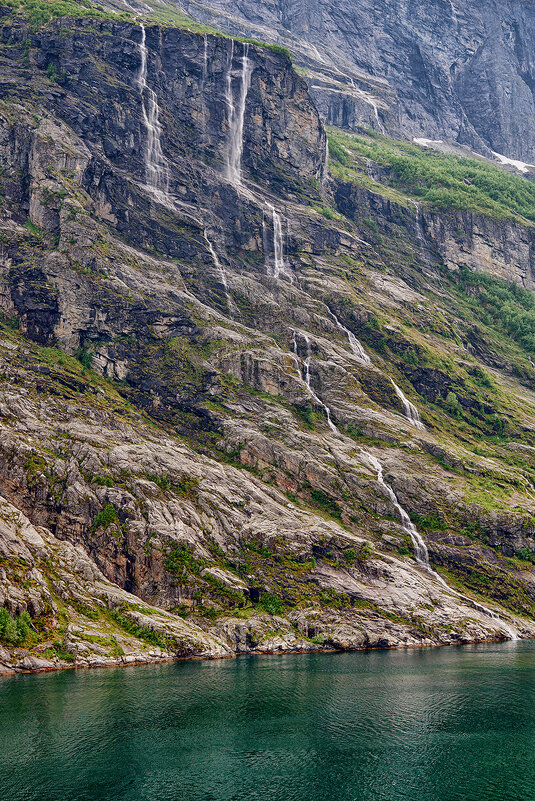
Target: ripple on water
{"points": [[449, 724]]}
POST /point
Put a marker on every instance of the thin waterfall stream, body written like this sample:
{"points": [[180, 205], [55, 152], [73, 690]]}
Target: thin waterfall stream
{"points": [[236, 113], [411, 412], [221, 270], [156, 167], [421, 554], [306, 378], [354, 343]]}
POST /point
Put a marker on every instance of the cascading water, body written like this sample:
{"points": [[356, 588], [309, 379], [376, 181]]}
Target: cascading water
{"points": [[354, 344], [306, 378], [421, 553], [222, 274], [236, 114], [422, 244], [369, 99], [409, 409], [420, 548], [156, 167], [205, 59], [278, 266], [203, 89]]}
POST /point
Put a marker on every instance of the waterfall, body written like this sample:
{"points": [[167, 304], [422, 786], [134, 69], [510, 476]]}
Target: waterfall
{"points": [[420, 233], [222, 274], [236, 114], [205, 60], [420, 548], [156, 167], [203, 91], [421, 553], [409, 409], [354, 344], [278, 243], [371, 102], [312, 393]]}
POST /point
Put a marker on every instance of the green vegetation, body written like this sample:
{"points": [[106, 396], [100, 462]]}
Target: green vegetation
{"points": [[32, 228], [84, 357], [51, 71], [506, 306], [306, 415], [526, 555], [39, 12], [58, 650], [105, 517], [443, 182], [325, 502], [14, 630], [143, 633], [270, 603], [180, 557], [275, 48]]}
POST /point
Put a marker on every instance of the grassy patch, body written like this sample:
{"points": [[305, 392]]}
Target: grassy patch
{"points": [[39, 12], [443, 182]]}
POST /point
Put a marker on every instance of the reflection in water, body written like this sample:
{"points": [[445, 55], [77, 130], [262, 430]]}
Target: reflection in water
{"points": [[444, 724]]}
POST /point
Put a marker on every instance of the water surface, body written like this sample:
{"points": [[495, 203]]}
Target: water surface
{"points": [[440, 724]]}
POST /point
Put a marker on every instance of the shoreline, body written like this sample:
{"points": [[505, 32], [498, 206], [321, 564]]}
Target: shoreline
{"points": [[6, 671]]}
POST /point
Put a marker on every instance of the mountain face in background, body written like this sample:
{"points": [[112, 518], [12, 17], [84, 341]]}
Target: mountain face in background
{"points": [[258, 393], [461, 70]]}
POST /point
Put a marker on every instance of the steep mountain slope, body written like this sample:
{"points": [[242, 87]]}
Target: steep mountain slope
{"points": [[207, 343], [459, 70]]}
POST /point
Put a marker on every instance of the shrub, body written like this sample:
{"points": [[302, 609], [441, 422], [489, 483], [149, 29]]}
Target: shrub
{"points": [[270, 603], [84, 357], [365, 552], [14, 631], [180, 556], [325, 502], [350, 555], [105, 517], [526, 554]]}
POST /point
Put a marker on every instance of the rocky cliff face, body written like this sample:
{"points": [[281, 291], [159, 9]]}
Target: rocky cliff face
{"points": [[457, 239], [446, 69], [203, 448]]}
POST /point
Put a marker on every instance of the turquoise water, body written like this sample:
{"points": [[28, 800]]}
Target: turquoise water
{"points": [[421, 725]]}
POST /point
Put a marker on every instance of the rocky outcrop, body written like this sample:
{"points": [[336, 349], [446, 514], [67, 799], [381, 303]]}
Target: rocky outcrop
{"points": [[446, 69], [503, 248]]}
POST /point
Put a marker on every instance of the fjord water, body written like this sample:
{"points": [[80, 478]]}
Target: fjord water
{"points": [[440, 724]]}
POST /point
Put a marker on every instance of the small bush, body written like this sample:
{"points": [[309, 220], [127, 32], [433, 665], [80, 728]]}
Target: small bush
{"points": [[526, 554], [14, 630], [84, 357], [180, 556], [105, 517], [270, 603], [325, 502]]}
